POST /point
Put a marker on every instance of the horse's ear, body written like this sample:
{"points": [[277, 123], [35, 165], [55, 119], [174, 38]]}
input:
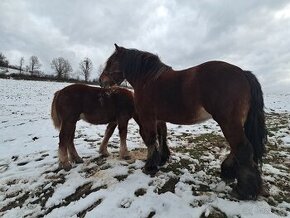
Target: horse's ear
{"points": [[117, 47]]}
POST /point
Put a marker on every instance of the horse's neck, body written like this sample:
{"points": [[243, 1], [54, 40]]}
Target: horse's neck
{"points": [[141, 82]]}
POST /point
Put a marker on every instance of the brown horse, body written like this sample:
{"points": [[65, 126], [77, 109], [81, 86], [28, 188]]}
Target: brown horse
{"points": [[215, 89], [94, 105]]}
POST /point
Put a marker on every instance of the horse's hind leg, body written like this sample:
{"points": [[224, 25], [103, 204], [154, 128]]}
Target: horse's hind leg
{"points": [[162, 140], [74, 157], [122, 126], [64, 141], [241, 159], [109, 131]]}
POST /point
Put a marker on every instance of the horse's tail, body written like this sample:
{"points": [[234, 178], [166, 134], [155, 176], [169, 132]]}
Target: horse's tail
{"points": [[54, 113], [255, 128]]}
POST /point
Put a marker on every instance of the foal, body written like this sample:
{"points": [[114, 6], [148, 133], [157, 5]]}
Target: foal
{"points": [[114, 106]]}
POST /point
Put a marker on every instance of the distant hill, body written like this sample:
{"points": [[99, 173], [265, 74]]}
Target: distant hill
{"points": [[14, 73]]}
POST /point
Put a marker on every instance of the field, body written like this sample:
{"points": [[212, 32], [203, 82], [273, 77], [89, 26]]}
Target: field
{"points": [[32, 185]]}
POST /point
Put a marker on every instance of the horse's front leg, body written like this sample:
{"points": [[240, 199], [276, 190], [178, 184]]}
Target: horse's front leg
{"points": [[148, 132], [109, 132], [162, 140], [122, 126]]}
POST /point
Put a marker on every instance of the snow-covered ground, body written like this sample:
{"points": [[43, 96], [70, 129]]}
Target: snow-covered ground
{"points": [[31, 185]]}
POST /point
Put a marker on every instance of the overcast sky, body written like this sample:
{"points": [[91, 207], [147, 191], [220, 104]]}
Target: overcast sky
{"points": [[252, 34]]}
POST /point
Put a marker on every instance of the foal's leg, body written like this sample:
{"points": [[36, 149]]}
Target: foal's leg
{"points": [[148, 131], [122, 126], [64, 140], [74, 157], [109, 131], [162, 140], [249, 178]]}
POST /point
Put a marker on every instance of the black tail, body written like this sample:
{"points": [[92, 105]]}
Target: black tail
{"points": [[255, 128]]}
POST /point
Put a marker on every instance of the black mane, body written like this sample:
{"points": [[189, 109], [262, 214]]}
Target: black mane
{"points": [[142, 65]]}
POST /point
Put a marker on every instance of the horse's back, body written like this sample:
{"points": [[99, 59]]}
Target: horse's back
{"points": [[94, 104], [220, 80], [71, 101], [213, 88]]}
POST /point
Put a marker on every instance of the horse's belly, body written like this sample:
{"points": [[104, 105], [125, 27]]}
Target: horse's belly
{"points": [[186, 117], [201, 116], [94, 119]]}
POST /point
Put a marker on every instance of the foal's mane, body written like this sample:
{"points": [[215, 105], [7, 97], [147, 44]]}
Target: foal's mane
{"points": [[142, 65]]}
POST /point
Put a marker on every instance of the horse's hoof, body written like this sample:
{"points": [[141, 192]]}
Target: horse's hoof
{"points": [[249, 184], [228, 181], [236, 193], [150, 170], [163, 160], [265, 192], [228, 176], [228, 170]]}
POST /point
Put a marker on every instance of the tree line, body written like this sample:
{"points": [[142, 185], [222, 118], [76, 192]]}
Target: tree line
{"points": [[61, 67]]}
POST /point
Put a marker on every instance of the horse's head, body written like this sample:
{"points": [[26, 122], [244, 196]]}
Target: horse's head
{"points": [[112, 73]]}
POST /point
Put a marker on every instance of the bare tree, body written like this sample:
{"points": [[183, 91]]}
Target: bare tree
{"points": [[21, 63], [62, 67], [86, 67], [3, 60], [34, 64]]}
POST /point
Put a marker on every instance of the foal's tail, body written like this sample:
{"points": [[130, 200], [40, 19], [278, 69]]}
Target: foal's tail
{"points": [[54, 113], [255, 128]]}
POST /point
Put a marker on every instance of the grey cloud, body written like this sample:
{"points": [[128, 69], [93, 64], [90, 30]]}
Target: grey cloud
{"points": [[249, 34]]}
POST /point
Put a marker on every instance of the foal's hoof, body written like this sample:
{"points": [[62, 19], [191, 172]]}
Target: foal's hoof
{"points": [[150, 170], [78, 160], [104, 154], [125, 156], [65, 166]]}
